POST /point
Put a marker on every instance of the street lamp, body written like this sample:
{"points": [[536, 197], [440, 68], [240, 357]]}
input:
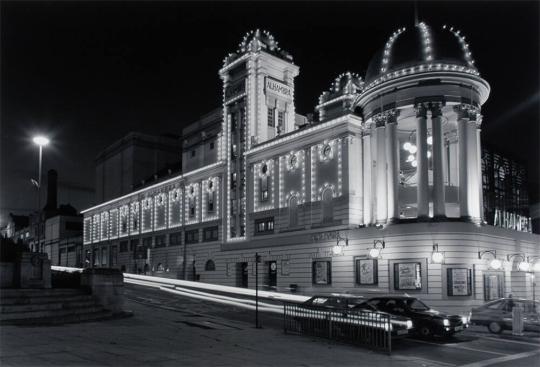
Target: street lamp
{"points": [[375, 252], [436, 256], [41, 141], [523, 264], [340, 243], [495, 263]]}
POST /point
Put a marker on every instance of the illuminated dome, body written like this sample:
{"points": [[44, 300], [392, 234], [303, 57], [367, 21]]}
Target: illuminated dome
{"points": [[431, 48], [255, 41]]}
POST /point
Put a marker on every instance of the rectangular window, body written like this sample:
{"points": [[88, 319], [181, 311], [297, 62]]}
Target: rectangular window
{"points": [[322, 272], [114, 256], [211, 198], [133, 244], [264, 226], [212, 146], [458, 282], [210, 234], [175, 239], [366, 271], [123, 246], [192, 236], [104, 256], [159, 241], [271, 118], [193, 153], [263, 183], [408, 276], [281, 121]]}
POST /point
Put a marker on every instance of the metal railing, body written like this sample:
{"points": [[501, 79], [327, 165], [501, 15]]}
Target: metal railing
{"points": [[369, 329]]}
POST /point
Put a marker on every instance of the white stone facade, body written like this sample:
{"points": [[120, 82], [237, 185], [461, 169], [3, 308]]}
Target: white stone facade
{"points": [[393, 160]]}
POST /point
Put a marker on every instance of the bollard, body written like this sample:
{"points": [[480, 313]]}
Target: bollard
{"points": [[517, 320]]}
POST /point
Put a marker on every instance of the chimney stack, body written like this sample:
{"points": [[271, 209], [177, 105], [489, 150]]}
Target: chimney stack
{"points": [[52, 190]]}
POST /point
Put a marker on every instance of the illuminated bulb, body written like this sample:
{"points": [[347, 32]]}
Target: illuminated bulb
{"points": [[495, 264], [337, 250], [414, 163], [413, 149], [437, 257], [410, 158], [430, 140], [524, 266], [374, 253], [429, 154], [407, 146]]}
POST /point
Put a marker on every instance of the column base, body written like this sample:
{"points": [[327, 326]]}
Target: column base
{"points": [[423, 218], [440, 218], [392, 221]]}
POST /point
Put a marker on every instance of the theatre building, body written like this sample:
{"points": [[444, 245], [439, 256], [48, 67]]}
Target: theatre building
{"points": [[383, 194]]}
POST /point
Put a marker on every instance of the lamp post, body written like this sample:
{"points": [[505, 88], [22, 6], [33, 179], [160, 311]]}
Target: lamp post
{"points": [[40, 141], [257, 261]]}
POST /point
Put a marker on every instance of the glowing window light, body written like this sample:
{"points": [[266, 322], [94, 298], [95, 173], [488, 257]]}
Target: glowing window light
{"points": [[135, 218], [192, 204], [160, 211], [123, 225], [113, 223], [104, 226], [87, 230], [95, 228], [147, 215], [210, 188], [175, 207]]}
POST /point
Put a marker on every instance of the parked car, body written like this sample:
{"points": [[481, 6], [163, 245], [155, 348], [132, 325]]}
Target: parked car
{"points": [[349, 310], [426, 321], [497, 315]]}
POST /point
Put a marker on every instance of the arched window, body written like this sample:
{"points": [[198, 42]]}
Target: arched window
{"points": [[210, 266], [293, 211], [327, 207]]}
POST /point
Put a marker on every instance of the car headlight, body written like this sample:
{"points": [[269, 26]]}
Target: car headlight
{"points": [[465, 319], [446, 322], [409, 324]]}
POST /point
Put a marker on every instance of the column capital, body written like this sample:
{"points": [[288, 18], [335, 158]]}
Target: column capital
{"points": [[421, 110], [436, 109], [467, 111]]}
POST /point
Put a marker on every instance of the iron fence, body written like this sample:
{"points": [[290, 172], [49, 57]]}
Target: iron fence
{"points": [[369, 329]]}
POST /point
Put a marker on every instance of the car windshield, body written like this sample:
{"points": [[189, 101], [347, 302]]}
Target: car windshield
{"points": [[417, 305]]}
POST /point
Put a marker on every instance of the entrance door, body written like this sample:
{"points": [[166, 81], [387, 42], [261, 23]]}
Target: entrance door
{"points": [[242, 274], [272, 275]]}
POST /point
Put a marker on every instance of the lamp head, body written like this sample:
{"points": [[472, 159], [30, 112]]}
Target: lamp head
{"points": [[41, 140]]}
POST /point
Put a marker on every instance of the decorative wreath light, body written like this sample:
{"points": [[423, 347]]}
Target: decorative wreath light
{"points": [[292, 162], [326, 151], [325, 186]]}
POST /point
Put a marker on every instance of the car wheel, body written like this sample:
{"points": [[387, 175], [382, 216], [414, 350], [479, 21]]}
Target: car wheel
{"points": [[425, 332], [494, 327]]}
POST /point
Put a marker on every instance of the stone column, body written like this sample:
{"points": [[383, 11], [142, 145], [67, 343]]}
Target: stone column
{"points": [[392, 158], [366, 177], [422, 187], [473, 174], [439, 210], [381, 185], [479, 155], [462, 121]]}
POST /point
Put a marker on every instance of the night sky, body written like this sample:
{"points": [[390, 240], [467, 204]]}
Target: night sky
{"points": [[88, 73]]}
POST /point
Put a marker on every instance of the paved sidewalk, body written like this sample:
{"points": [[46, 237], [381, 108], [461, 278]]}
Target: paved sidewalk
{"points": [[157, 337]]}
